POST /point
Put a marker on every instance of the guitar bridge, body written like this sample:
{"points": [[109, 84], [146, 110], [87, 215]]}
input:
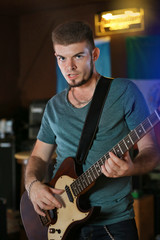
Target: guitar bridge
{"points": [[45, 220]]}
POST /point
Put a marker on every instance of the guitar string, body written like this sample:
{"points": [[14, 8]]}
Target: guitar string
{"points": [[134, 138]]}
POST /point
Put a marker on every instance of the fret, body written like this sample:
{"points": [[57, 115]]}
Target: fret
{"points": [[86, 179], [118, 150], [157, 114], [146, 125], [130, 139], [153, 118], [98, 171], [114, 150], [94, 176], [79, 185], [141, 129], [125, 144], [90, 174], [102, 160], [134, 136], [150, 122], [83, 181], [98, 166], [106, 156], [137, 134], [74, 188]]}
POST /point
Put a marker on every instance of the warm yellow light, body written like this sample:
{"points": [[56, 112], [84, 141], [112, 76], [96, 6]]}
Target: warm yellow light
{"points": [[126, 14], [124, 19], [107, 16]]}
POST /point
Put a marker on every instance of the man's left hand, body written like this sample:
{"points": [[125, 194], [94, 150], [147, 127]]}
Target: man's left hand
{"points": [[115, 167]]}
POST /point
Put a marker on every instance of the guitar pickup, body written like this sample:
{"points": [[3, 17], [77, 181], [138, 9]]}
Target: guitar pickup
{"points": [[69, 194]]}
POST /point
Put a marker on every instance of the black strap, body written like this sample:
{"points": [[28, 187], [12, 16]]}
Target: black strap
{"points": [[92, 119]]}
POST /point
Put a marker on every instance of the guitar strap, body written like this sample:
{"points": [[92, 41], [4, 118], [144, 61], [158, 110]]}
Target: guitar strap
{"points": [[92, 119]]}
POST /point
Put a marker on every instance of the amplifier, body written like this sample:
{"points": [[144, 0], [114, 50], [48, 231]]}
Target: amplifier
{"points": [[8, 172], [36, 110], [3, 221]]}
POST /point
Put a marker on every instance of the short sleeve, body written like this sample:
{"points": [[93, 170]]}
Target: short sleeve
{"points": [[136, 109], [46, 133]]}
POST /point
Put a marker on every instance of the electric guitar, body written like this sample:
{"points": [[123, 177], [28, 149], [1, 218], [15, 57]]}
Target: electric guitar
{"points": [[58, 224]]}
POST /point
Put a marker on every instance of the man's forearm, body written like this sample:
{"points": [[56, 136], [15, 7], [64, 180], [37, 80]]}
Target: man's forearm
{"points": [[146, 160], [35, 169]]}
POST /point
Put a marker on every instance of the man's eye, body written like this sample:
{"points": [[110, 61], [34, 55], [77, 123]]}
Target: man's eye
{"points": [[61, 59], [79, 56]]}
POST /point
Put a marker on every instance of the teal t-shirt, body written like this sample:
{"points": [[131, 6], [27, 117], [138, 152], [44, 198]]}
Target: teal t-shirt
{"points": [[62, 124]]}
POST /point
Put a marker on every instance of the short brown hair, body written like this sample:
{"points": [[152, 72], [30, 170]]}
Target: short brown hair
{"points": [[73, 32]]}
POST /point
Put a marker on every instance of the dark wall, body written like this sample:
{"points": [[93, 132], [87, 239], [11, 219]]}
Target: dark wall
{"points": [[9, 65], [27, 59]]}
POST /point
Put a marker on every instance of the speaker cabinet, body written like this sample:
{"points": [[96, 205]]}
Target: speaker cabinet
{"points": [[3, 220], [36, 110], [8, 172]]}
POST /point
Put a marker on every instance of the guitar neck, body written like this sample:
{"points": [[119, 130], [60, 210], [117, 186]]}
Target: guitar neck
{"points": [[88, 177]]}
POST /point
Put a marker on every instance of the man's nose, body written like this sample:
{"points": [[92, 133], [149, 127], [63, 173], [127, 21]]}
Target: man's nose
{"points": [[71, 65]]}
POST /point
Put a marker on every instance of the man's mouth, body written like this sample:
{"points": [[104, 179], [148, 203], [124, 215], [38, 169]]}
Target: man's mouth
{"points": [[72, 76]]}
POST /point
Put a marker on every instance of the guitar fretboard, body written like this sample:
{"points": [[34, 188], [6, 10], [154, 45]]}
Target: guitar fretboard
{"points": [[88, 177]]}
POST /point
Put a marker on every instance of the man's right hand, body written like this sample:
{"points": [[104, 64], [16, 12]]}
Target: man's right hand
{"points": [[43, 197]]}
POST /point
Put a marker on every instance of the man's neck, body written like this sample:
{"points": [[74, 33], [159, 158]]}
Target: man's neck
{"points": [[82, 95]]}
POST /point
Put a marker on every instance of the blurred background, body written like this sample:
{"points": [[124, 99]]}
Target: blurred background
{"points": [[128, 35]]}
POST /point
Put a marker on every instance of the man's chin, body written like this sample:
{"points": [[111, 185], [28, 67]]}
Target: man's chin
{"points": [[81, 83]]}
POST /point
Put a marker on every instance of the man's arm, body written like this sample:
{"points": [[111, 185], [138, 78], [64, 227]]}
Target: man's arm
{"points": [[148, 157], [146, 160], [40, 194]]}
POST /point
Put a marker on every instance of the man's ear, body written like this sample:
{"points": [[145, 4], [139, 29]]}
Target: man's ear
{"points": [[95, 54]]}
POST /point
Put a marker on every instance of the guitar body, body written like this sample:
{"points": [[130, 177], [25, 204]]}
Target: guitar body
{"points": [[60, 224], [65, 219], [33, 227]]}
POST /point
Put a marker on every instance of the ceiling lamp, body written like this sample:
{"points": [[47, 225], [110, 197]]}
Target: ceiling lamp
{"points": [[118, 21]]}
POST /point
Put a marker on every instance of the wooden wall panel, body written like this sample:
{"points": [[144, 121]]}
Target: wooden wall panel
{"points": [[9, 62], [28, 64]]}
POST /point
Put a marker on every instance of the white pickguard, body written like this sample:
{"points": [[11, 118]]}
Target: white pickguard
{"points": [[66, 215]]}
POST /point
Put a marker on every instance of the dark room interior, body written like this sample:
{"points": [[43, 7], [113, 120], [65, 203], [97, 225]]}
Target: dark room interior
{"points": [[29, 79]]}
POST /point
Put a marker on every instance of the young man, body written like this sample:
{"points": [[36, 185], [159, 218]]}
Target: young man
{"points": [[62, 125]]}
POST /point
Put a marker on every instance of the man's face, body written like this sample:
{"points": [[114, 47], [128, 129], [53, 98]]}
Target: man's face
{"points": [[75, 62]]}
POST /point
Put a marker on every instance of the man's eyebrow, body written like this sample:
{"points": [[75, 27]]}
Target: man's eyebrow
{"points": [[58, 55], [78, 54]]}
